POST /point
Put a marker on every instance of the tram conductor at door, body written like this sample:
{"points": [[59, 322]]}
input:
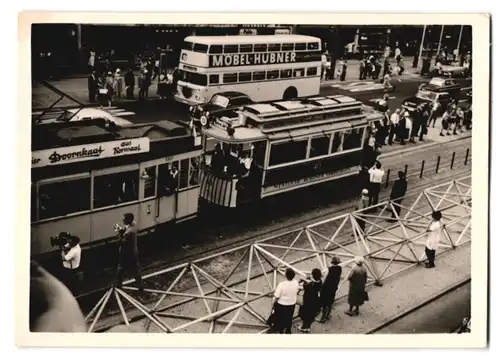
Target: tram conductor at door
{"points": [[128, 258]]}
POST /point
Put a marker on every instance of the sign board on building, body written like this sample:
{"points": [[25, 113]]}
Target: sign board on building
{"points": [[228, 60], [81, 153]]}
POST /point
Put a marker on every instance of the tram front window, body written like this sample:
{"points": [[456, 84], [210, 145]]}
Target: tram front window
{"points": [[235, 159], [116, 188]]}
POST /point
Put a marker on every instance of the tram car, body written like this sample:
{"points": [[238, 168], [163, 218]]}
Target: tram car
{"points": [[276, 147], [85, 175]]}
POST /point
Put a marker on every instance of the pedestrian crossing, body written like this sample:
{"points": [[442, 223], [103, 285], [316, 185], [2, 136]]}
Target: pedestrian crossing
{"points": [[54, 113]]}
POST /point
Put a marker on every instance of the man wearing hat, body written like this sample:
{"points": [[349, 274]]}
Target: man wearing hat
{"points": [[398, 192], [357, 283]]}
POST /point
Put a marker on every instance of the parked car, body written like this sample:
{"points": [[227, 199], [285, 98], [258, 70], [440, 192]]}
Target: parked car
{"points": [[439, 85], [221, 104]]}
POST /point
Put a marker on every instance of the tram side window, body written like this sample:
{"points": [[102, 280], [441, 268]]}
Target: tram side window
{"points": [[288, 152], [245, 77], [194, 171], [352, 139], [149, 177], [63, 198], [298, 73], [184, 174], [287, 73], [319, 146], [33, 204], [230, 78], [273, 74], [259, 75], [337, 142], [214, 79], [116, 188], [312, 71], [168, 178]]}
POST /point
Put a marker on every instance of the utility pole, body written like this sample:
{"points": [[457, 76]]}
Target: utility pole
{"points": [[421, 44], [440, 39], [459, 40]]}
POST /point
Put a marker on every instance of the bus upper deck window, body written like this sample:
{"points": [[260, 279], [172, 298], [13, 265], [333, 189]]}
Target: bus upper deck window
{"points": [[287, 73], [313, 46], [246, 48], [287, 47], [215, 49], [200, 48], [300, 46], [274, 47], [187, 46], [260, 48], [230, 49], [214, 79]]}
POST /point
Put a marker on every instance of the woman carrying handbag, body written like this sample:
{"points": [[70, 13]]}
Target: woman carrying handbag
{"points": [[311, 305]]}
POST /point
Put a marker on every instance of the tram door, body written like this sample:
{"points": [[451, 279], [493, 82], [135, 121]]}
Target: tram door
{"points": [[148, 192]]}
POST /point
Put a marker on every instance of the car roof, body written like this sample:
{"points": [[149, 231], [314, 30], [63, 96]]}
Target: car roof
{"points": [[232, 94]]}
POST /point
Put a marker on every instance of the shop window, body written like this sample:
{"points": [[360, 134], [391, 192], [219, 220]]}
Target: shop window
{"points": [[64, 197], [116, 188]]}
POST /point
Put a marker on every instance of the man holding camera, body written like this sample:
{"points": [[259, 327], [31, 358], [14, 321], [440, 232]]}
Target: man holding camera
{"points": [[128, 259], [71, 254]]}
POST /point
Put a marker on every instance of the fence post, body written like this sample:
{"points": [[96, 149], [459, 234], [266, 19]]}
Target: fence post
{"points": [[452, 160], [422, 168], [437, 164], [406, 169], [387, 178], [466, 156]]}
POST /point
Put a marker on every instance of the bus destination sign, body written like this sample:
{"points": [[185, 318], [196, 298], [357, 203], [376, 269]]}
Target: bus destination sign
{"points": [[80, 153], [227, 60]]}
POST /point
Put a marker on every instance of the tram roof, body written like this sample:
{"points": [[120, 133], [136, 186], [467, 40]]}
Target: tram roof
{"points": [[250, 39], [51, 136]]}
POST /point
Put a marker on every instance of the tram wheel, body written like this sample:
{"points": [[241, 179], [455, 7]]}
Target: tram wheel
{"points": [[290, 93]]}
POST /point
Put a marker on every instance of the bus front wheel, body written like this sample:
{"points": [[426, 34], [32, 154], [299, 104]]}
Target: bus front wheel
{"points": [[290, 93]]}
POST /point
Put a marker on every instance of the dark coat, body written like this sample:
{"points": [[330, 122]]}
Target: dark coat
{"points": [[330, 285], [311, 306], [129, 249], [357, 283], [399, 188]]}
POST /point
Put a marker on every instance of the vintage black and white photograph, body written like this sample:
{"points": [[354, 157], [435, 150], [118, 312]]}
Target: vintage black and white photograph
{"points": [[254, 178]]}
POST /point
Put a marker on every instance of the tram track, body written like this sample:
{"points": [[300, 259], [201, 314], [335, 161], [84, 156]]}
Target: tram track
{"points": [[86, 299], [112, 316]]}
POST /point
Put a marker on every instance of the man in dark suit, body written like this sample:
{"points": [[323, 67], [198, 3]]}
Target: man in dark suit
{"points": [[92, 84], [398, 192], [129, 254]]}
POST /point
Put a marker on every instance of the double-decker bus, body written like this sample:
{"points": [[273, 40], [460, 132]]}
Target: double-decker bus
{"points": [[263, 67], [86, 175], [276, 147]]}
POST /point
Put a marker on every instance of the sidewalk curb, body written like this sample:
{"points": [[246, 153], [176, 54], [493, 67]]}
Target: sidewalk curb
{"points": [[423, 146], [389, 321]]}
